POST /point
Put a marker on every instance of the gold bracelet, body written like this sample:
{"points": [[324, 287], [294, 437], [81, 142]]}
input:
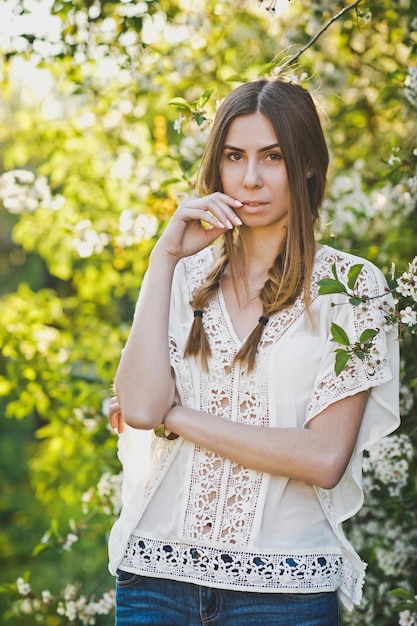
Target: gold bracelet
{"points": [[162, 433]]}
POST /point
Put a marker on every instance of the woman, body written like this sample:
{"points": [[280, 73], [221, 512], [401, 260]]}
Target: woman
{"points": [[237, 518]]}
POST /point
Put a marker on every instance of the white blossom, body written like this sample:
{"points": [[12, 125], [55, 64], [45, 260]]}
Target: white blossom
{"points": [[87, 241], [46, 596], [410, 85], [109, 490], [408, 316], [70, 539], [178, 122], [388, 462], [135, 228], [21, 191], [23, 587], [407, 618]]}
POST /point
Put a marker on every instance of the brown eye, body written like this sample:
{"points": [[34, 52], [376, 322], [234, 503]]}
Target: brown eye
{"points": [[235, 156], [274, 156]]}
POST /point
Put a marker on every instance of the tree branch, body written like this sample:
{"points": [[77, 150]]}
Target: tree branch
{"points": [[312, 41]]}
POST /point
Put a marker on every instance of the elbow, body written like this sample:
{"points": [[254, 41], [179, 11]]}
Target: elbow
{"points": [[330, 473], [141, 419], [141, 415], [140, 412]]}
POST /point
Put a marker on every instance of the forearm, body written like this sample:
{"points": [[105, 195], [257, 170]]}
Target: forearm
{"points": [[143, 383], [317, 455], [268, 450]]}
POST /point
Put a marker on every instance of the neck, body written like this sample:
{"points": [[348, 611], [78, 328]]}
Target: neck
{"points": [[261, 248]]}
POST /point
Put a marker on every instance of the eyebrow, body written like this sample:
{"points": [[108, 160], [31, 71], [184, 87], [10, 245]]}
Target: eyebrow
{"points": [[273, 145]]}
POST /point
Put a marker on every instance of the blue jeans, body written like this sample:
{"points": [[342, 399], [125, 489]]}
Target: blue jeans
{"points": [[141, 600]]}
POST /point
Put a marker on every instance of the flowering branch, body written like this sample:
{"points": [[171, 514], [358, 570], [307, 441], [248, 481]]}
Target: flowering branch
{"points": [[405, 317], [312, 41]]}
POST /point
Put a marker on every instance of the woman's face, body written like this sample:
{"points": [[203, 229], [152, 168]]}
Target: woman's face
{"points": [[253, 171]]}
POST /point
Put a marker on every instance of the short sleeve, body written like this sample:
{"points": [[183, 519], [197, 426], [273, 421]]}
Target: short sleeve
{"points": [[378, 373]]}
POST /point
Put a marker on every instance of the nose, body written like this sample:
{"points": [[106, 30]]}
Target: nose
{"points": [[252, 178]]}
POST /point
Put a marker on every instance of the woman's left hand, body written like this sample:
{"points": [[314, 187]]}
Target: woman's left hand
{"points": [[114, 415]]}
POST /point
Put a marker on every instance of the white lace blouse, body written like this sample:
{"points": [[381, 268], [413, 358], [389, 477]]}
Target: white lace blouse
{"points": [[193, 516]]}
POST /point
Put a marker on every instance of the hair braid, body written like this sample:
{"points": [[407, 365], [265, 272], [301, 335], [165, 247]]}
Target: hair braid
{"points": [[197, 341], [279, 291]]}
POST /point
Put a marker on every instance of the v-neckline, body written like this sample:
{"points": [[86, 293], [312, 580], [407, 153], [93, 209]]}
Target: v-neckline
{"points": [[225, 312], [228, 319]]}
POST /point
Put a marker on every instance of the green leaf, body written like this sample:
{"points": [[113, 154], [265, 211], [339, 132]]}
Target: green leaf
{"points": [[355, 301], [334, 272], [329, 285], [170, 181], [199, 118], [339, 335], [342, 357], [180, 103], [401, 593], [360, 354], [40, 547], [353, 274], [367, 335], [402, 606], [203, 99]]}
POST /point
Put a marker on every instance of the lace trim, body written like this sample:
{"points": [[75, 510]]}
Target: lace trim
{"points": [[235, 570]]}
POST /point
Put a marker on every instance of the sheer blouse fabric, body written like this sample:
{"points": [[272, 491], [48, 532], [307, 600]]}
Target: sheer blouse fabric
{"points": [[191, 515]]}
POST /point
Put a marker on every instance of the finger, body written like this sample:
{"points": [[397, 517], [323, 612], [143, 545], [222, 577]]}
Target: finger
{"points": [[120, 424], [212, 211], [206, 214], [225, 214], [114, 418]]}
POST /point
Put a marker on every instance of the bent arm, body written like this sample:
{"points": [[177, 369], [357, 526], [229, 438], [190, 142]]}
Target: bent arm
{"points": [[144, 382], [317, 454]]}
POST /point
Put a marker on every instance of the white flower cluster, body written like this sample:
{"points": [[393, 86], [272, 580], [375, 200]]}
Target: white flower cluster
{"points": [[348, 207], [109, 490], [270, 6], [74, 606], [108, 494], [392, 559], [388, 463], [406, 400], [21, 191], [407, 282], [87, 241], [71, 604], [410, 86], [191, 146], [23, 587], [135, 228]]}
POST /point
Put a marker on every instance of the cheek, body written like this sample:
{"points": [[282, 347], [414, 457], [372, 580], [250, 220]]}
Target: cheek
{"points": [[227, 176]]}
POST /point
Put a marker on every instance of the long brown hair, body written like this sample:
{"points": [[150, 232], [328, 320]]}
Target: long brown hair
{"points": [[295, 120]]}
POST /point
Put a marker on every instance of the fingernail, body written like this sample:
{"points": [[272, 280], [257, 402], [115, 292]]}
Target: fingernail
{"points": [[238, 203], [229, 224], [238, 221]]}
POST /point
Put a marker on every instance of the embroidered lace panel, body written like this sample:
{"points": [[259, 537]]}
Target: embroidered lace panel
{"points": [[227, 568]]}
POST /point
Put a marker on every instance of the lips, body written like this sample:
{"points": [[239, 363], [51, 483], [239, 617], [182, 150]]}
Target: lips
{"points": [[253, 203]]}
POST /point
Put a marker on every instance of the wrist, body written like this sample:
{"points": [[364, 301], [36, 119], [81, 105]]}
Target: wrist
{"points": [[162, 258], [163, 431]]}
